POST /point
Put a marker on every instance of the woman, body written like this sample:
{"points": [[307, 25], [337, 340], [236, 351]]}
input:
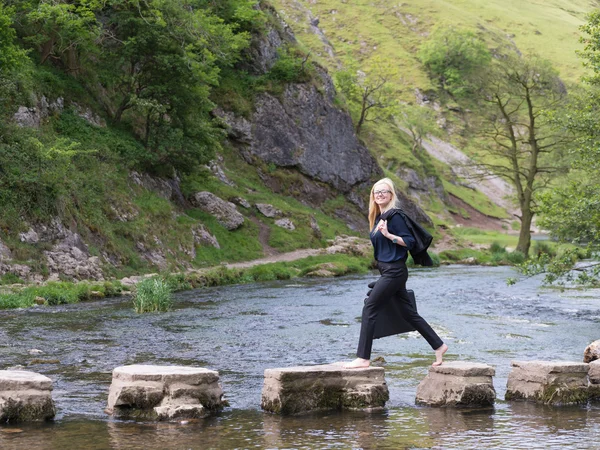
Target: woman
{"points": [[391, 240]]}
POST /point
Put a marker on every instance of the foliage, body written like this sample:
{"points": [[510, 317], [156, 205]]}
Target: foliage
{"points": [[57, 293], [452, 56], [419, 122], [571, 212], [524, 145], [11, 55], [369, 91], [291, 66], [152, 295]]}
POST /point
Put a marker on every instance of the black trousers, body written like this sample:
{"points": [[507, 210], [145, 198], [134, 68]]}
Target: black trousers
{"points": [[392, 283]]}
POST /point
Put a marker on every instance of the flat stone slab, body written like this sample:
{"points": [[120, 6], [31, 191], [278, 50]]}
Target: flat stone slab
{"points": [[25, 397], [594, 372], [548, 382], [295, 390], [164, 392], [594, 376], [458, 384]]}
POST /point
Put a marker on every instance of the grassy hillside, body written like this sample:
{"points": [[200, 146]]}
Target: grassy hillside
{"points": [[362, 32]]}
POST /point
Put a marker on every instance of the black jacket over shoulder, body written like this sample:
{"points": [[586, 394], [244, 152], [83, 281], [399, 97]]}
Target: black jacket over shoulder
{"points": [[422, 237]]}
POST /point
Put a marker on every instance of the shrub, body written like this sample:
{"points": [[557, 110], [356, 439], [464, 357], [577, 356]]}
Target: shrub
{"points": [[152, 295], [516, 257], [497, 248]]}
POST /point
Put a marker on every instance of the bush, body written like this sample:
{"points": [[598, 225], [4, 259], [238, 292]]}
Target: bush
{"points": [[497, 248], [516, 257], [152, 295]]}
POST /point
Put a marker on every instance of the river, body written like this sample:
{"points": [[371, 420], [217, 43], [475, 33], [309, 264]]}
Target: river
{"points": [[241, 330]]}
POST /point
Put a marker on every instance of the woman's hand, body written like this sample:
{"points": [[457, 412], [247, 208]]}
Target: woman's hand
{"points": [[382, 227]]}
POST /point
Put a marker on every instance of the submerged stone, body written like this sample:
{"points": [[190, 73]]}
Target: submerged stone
{"points": [[296, 390], [458, 383], [25, 397], [164, 392], [548, 382]]}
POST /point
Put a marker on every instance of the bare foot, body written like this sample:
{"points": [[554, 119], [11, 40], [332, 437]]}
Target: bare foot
{"points": [[439, 353], [358, 363]]}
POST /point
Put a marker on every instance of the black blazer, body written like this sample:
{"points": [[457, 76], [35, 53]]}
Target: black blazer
{"points": [[422, 237]]}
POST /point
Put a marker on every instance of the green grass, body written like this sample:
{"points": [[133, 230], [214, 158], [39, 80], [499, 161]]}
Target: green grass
{"points": [[475, 199], [152, 295], [485, 237], [57, 293]]}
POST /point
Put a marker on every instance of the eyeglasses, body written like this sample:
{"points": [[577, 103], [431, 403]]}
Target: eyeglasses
{"points": [[385, 192]]}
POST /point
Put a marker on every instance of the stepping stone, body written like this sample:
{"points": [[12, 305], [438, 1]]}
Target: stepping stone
{"points": [[25, 397], [594, 375], [295, 390], [164, 392], [458, 383], [548, 382]]}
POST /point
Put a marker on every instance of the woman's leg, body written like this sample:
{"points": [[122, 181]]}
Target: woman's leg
{"points": [[412, 316], [393, 279]]}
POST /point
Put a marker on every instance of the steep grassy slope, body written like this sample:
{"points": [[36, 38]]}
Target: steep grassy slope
{"points": [[356, 33]]}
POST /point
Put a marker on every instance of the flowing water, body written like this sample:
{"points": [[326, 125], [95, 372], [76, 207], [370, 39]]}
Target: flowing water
{"points": [[241, 330]]}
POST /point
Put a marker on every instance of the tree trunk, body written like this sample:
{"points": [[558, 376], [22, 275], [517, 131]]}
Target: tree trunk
{"points": [[525, 233]]}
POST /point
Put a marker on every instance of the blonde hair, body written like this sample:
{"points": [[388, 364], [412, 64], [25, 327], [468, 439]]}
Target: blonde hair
{"points": [[374, 209]]}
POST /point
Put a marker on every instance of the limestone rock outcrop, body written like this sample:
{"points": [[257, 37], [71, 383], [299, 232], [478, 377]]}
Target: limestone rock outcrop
{"points": [[592, 352], [305, 130], [458, 383], [268, 210], [225, 212], [296, 390], [25, 397], [548, 382], [164, 392], [285, 223]]}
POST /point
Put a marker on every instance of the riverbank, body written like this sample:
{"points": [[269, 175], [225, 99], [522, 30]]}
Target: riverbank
{"points": [[346, 255]]}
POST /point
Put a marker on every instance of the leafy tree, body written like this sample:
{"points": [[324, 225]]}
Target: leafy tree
{"points": [[11, 54], [418, 122], [451, 56], [62, 31], [370, 92], [523, 145], [12, 57], [168, 56]]}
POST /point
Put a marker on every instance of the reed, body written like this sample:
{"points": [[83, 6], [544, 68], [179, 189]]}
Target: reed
{"points": [[152, 295]]}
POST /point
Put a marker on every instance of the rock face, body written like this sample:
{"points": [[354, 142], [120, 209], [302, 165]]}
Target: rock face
{"points": [[548, 382], [458, 383], [69, 256], [164, 392], [296, 390], [25, 397], [225, 212], [305, 130], [592, 352], [5, 253]]}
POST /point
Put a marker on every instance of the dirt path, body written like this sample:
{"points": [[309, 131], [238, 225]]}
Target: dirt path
{"points": [[290, 256]]}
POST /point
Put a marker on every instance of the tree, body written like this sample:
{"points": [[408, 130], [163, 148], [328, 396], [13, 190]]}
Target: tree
{"points": [[523, 145], [418, 122], [370, 92], [451, 56]]}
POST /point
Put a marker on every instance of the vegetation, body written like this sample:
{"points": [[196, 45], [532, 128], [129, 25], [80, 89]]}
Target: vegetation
{"points": [[524, 145], [152, 295], [57, 293], [452, 56]]}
